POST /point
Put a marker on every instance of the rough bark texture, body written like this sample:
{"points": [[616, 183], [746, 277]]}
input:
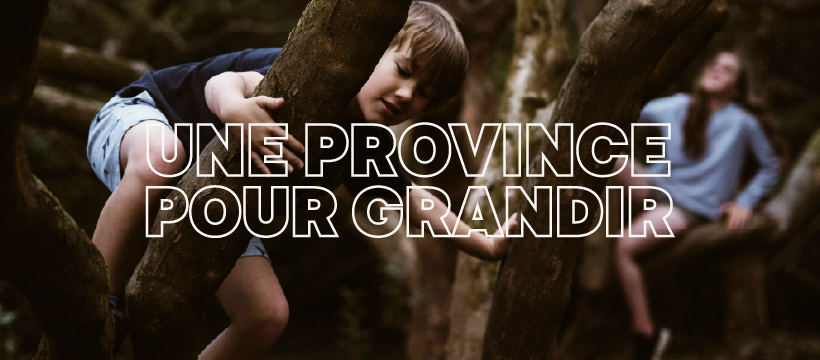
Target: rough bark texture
{"points": [[541, 60], [43, 253], [329, 56], [598, 296], [617, 56], [66, 61], [50, 106]]}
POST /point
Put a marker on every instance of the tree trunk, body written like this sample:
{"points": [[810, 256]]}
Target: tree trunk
{"points": [[327, 59], [617, 56], [43, 253], [593, 313], [541, 60]]}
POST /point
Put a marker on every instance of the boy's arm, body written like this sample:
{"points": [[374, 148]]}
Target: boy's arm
{"points": [[228, 97], [476, 244]]}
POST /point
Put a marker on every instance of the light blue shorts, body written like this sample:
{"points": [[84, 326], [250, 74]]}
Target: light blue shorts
{"points": [[105, 137]]}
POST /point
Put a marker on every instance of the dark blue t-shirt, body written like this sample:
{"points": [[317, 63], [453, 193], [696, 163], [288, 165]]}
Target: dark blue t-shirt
{"points": [[179, 92]]}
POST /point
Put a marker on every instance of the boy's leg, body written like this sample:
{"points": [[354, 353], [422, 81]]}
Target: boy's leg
{"points": [[628, 270], [120, 233], [253, 299]]}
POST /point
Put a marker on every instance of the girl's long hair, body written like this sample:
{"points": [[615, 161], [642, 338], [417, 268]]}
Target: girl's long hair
{"points": [[697, 117]]}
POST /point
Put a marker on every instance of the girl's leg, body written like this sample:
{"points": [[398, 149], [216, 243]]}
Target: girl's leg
{"points": [[253, 299], [625, 179], [120, 233], [628, 269]]}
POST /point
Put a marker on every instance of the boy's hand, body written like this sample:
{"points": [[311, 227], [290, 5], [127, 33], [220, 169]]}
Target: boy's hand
{"points": [[228, 97], [500, 244], [255, 110]]}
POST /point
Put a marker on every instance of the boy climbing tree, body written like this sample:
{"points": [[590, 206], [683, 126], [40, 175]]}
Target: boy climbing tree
{"points": [[423, 66]]}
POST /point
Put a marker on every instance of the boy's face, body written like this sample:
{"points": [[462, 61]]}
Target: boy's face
{"points": [[393, 93]]}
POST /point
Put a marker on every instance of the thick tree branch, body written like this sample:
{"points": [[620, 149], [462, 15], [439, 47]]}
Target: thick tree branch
{"points": [[43, 253], [617, 56], [712, 239], [328, 57]]}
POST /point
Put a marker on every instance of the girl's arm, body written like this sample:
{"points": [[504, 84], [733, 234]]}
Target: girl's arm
{"points": [[764, 181], [767, 175], [476, 244]]}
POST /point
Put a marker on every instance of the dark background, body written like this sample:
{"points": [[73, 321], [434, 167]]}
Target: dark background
{"points": [[345, 301]]}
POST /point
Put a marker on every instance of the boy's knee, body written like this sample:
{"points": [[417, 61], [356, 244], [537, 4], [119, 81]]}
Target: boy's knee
{"points": [[146, 160], [274, 320], [266, 324], [173, 151], [150, 167]]}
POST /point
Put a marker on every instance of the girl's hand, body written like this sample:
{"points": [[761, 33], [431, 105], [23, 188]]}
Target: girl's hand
{"points": [[256, 110], [736, 215], [500, 245]]}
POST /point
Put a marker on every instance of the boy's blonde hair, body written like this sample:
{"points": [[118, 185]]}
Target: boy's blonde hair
{"points": [[438, 54]]}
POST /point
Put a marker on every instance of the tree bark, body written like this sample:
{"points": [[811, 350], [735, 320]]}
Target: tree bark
{"points": [[43, 253], [541, 60], [617, 56], [328, 57]]}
